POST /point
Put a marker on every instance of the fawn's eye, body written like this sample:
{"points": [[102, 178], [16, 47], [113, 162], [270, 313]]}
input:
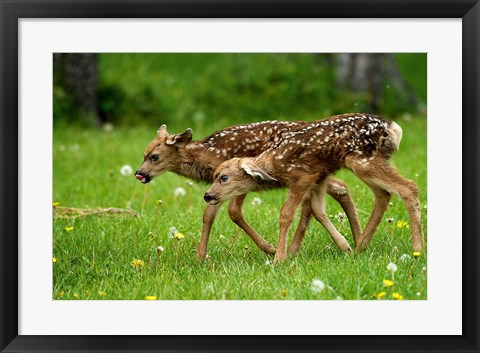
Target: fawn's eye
{"points": [[154, 157], [223, 178]]}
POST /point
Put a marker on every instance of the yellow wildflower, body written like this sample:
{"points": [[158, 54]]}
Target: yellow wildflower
{"points": [[402, 224], [61, 294], [397, 296], [381, 295], [179, 235], [416, 253], [387, 283], [54, 260], [150, 297], [55, 204], [138, 263], [284, 292], [75, 295], [68, 229], [102, 293]]}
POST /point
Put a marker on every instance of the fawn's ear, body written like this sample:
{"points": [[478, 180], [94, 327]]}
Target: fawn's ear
{"points": [[179, 139], [162, 131], [257, 173]]}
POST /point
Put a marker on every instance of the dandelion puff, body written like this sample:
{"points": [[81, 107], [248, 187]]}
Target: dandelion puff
{"points": [[179, 192], [160, 249], [108, 127], [172, 231], [392, 267], [189, 183], [317, 286], [405, 257], [256, 201], [126, 170], [268, 262], [390, 204]]}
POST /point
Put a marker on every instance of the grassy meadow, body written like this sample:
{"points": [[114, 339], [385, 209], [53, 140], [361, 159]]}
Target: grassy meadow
{"points": [[117, 256]]}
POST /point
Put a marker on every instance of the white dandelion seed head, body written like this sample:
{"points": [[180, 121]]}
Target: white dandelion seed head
{"points": [[126, 170], [108, 127], [190, 183], [179, 192], [392, 267], [390, 204], [160, 249], [405, 257], [256, 201], [317, 285], [172, 231], [268, 262]]}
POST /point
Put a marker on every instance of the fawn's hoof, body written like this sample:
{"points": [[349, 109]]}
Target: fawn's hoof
{"points": [[279, 258], [268, 249]]}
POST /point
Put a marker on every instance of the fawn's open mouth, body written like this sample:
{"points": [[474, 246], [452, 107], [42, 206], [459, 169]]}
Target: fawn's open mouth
{"points": [[143, 178]]}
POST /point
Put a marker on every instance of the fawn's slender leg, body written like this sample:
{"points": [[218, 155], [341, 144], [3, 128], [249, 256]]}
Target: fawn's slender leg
{"points": [[235, 212], [287, 214], [384, 176], [318, 210], [208, 217], [382, 197], [338, 189], [305, 218]]}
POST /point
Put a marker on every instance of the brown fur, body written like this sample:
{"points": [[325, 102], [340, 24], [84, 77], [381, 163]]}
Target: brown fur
{"points": [[305, 158], [199, 159]]}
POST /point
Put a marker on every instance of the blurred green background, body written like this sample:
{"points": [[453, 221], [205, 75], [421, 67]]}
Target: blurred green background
{"points": [[191, 90]]}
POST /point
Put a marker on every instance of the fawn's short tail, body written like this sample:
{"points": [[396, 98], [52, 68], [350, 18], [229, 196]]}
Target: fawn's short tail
{"points": [[395, 132]]}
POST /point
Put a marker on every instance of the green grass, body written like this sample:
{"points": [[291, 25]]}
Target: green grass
{"points": [[94, 260]]}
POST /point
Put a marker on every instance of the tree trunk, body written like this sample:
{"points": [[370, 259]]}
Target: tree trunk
{"points": [[78, 75], [369, 74]]}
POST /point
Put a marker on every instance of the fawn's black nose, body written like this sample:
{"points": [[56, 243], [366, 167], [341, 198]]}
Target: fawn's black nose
{"points": [[207, 197]]}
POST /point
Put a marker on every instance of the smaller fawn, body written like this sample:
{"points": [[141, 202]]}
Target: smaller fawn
{"points": [[303, 161]]}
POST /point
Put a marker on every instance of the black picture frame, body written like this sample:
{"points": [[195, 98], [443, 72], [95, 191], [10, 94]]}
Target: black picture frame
{"points": [[12, 11]]}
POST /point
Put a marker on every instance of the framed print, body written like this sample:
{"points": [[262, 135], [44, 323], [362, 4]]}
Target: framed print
{"points": [[101, 253]]}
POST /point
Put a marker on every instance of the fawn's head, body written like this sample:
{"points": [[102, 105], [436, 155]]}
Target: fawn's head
{"points": [[161, 154], [236, 177]]}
